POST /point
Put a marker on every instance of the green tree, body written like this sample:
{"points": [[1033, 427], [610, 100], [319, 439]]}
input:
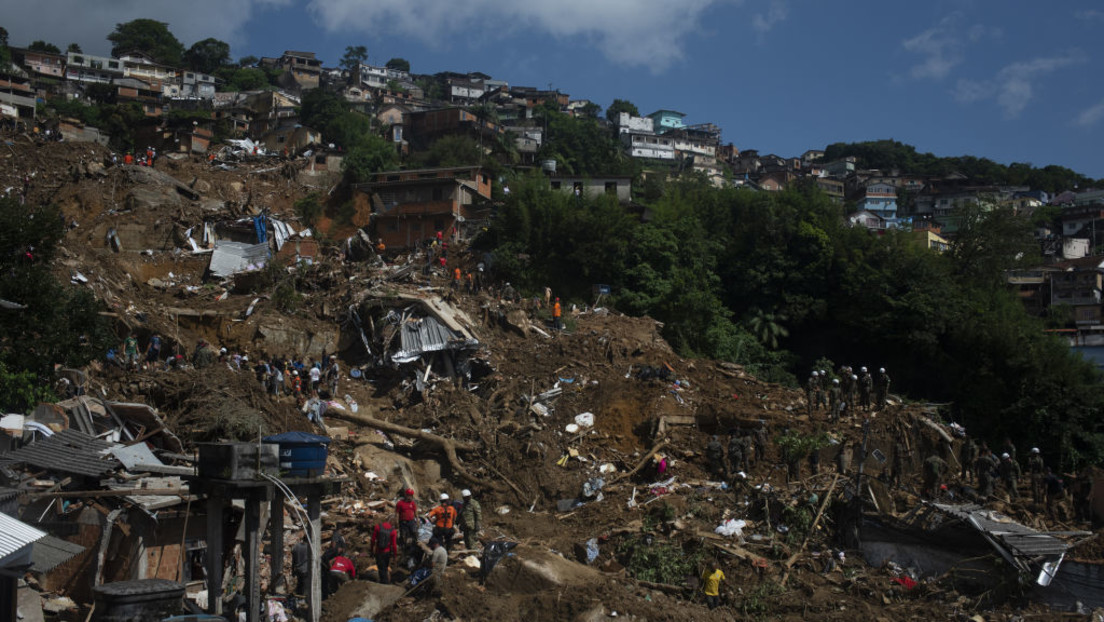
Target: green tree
{"points": [[621, 105], [150, 37], [372, 155], [43, 46], [768, 328], [398, 64], [354, 56], [454, 150], [58, 324], [990, 240], [243, 79], [208, 55], [248, 61], [74, 48], [5, 53]]}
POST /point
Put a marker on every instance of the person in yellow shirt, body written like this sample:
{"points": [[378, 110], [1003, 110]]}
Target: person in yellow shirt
{"points": [[711, 585]]}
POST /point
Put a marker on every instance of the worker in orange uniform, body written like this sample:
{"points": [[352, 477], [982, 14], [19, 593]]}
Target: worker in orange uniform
{"points": [[456, 278], [557, 313], [444, 519], [128, 158]]}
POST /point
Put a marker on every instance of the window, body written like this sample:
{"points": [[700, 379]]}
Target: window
{"points": [[611, 187], [555, 185], [392, 178]]}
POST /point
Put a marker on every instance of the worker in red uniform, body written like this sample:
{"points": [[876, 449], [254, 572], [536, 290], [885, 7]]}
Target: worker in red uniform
{"points": [[406, 515], [557, 312], [385, 542], [128, 158]]}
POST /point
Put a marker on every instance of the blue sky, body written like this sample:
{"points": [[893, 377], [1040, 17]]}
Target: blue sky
{"points": [[1008, 80]]}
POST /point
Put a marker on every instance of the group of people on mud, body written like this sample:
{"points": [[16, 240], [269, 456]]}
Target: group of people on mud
{"points": [[395, 542], [845, 392], [985, 472]]}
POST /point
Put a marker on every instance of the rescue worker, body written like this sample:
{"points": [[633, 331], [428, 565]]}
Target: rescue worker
{"points": [[333, 372], [866, 383], [444, 519], [385, 543], [437, 562], [735, 453], [967, 456], [406, 516], [747, 443], [471, 519], [557, 322], [1036, 469], [834, 402], [761, 442], [853, 394], [881, 388], [714, 453], [822, 395], [1010, 475], [984, 467], [934, 467], [1053, 486], [456, 279]]}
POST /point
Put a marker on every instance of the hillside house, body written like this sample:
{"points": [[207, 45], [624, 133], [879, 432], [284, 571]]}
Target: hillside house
{"points": [[410, 206], [291, 139], [868, 220], [426, 126], [831, 187], [40, 64], [1078, 283], [302, 71], [91, 69], [666, 120], [619, 186], [880, 198]]}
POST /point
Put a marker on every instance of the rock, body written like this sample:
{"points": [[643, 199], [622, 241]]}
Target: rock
{"points": [[201, 186], [151, 198]]}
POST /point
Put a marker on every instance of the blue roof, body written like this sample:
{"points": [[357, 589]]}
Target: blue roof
{"points": [[297, 437]]}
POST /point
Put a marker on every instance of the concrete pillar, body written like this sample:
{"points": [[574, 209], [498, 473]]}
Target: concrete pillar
{"points": [[252, 559], [276, 536], [215, 507]]}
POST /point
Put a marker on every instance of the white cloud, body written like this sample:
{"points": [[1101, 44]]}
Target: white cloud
{"points": [[1091, 115], [776, 14], [1013, 86], [942, 47], [650, 33], [62, 22]]}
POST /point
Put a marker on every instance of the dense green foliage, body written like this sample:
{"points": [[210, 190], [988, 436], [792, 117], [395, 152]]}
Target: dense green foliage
{"points": [[60, 324], [580, 146], [149, 37], [208, 55], [889, 155], [43, 46], [621, 105], [775, 281], [368, 152], [118, 121], [398, 64]]}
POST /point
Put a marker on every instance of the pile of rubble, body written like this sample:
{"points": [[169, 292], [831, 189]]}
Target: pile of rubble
{"points": [[560, 435]]}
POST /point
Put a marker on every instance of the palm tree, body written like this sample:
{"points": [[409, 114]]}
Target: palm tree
{"points": [[768, 327]]}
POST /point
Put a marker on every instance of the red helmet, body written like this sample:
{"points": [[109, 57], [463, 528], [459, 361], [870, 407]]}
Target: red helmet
{"points": [[409, 492]]}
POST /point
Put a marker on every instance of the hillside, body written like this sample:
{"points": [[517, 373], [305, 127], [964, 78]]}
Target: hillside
{"points": [[510, 414]]}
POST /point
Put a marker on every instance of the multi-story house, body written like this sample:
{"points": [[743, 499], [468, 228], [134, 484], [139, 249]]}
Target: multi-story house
{"points": [[302, 71], [880, 198], [40, 64], [91, 69], [411, 206], [666, 120]]}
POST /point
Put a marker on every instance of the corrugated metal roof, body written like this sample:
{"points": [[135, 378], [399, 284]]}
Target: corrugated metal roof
{"points": [[229, 258], [50, 552], [68, 451], [14, 536], [419, 336], [1020, 540]]}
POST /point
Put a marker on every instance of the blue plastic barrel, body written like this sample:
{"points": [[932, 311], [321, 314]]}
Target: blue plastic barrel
{"points": [[301, 454]]}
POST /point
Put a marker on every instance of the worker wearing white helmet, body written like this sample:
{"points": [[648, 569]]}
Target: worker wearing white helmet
{"points": [[866, 386], [443, 518], [881, 389], [471, 519]]}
